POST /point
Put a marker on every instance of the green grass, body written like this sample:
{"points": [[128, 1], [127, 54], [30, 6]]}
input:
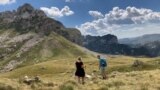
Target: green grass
{"points": [[58, 66], [61, 71], [52, 47], [69, 85], [104, 88], [54, 58]]}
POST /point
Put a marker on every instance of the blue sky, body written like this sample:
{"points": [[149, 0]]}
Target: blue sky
{"points": [[123, 18]]}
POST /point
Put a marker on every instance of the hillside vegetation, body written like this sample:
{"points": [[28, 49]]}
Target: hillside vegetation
{"points": [[18, 50], [60, 74], [39, 53]]}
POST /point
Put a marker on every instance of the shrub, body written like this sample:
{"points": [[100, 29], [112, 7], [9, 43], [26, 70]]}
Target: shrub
{"points": [[69, 85], [104, 88], [66, 87], [137, 63]]}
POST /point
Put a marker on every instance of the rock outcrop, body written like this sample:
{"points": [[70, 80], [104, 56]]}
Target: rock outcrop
{"points": [[109, 44], [27, 19]]}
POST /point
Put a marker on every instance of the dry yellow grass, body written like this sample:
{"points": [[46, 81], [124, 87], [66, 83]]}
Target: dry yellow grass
{"points": [[61, 72]]}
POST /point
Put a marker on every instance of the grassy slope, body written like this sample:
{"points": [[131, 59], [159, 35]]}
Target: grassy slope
{"points": [[61, 72], [51, 48], [53, 60]]}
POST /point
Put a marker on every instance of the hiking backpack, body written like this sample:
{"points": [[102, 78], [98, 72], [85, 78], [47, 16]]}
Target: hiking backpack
{"points": [[103, 63]]}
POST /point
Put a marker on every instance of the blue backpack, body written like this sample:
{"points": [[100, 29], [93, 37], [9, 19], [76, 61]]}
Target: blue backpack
{"points": [[103, 63]]}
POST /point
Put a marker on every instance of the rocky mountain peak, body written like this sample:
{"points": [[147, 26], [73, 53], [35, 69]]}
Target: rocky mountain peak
{"points": [[26, 11], [106, 39], [28, 19], [110, 39], [25, 8]]}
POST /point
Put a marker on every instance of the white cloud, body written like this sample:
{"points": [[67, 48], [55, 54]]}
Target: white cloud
{"points": [[122, 20], [68, 0], [66, 11], [132, 15], [4, 2], [55, 12], [96, 14]]}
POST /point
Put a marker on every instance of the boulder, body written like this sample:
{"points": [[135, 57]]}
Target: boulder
{"points": [[30, 81]]}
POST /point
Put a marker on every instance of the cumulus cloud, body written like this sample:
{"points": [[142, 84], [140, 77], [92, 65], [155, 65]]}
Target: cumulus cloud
{"points": [[96, 27], [96, 14], [4, 2], [132, 15], [55, 12], [118, 19], [66, 11]]}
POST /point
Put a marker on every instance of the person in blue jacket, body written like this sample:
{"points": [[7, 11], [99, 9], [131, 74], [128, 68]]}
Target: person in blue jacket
{"points": [[102, 66]]}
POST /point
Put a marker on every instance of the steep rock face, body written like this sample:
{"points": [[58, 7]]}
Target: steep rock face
{"points": [[26, 8], [27, 19], [107, 39], [141, 40], [153, 48], [100, 44], [151, 42], [6, 18], [109, 44], [74, 35]]}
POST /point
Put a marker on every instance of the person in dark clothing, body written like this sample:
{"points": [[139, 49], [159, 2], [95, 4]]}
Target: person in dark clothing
{"points": [[80, 72]]}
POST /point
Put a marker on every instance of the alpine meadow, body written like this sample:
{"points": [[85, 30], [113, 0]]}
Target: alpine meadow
{"points": [[50, 44]]}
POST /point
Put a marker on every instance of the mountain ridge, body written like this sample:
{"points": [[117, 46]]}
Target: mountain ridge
{"points": [[141, 39], [109, 44], [28, 36], [26, 19]]}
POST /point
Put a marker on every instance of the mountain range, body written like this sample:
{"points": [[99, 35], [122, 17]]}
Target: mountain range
{"points": [[147, 45], [109, 44], [28, 36], [141, 40], [150, 41]]}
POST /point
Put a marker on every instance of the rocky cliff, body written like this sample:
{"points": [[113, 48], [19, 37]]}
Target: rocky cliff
{"points": [[109, 44], [27, 19]]}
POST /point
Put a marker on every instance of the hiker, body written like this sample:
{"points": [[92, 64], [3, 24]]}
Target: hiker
{"points": [[102, 66], [80, 73]]}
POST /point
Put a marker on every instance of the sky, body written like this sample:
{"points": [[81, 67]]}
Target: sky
{"points": [[123, 18]]}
